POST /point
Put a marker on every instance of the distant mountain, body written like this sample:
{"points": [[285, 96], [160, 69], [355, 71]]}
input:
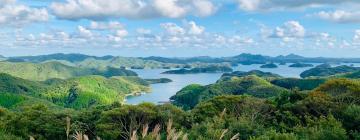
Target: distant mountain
{"points": [[201, 59], [57, 56], [208, 69], [290, 56], [44, 71], [177, 62]]}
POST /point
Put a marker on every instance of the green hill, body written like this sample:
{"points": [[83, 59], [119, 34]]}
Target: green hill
{"points": [[301, 84], [83, 92], [44, 71], [324, 70], [79, 92], [265, 75], [207, 69], [253, 85], [270, 65]]}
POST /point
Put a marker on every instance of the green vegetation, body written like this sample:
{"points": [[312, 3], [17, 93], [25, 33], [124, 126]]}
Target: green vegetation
{"points": [[330, 111], [300, 65], [253, 85], [208, 69], [301, 84], [157, 81], [264, 75], [325, 70], [269, 65], [87, 103], [49, 70], [79, 92]]}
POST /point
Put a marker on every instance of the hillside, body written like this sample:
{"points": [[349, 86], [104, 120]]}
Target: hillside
{"points": [[44, 71], [300, 65], [325, 70], [79, 92], [83, 92], [264, 75], [253, 85], [208, 69], [270, 65], [57, 56]]}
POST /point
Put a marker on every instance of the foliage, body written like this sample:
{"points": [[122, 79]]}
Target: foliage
{"points": [[328, 71], [301, 84]]}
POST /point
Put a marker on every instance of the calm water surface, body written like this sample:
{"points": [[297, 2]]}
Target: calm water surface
{"points": [[162, 92]]}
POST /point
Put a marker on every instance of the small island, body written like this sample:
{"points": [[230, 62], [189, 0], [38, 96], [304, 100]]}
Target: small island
{"points": [[282, 63], [300, 65], [269, 65], [208, 69], [158, 81]]}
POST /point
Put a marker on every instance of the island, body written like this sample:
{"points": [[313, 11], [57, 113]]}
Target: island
{"points": [[300, 65], [269, 65], [324, 70], [158, 81], [282, 63], [208, 69]]}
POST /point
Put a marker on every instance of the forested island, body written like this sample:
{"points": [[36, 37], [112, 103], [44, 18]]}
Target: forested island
{"points": [[269, 65], [300, 65], [209, 69]]}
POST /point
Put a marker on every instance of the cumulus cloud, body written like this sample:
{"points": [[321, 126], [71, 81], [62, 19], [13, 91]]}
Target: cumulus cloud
{"points": [[83, 32], [356, 37], [265, 5], [339, 16], [290, 29], [193, 28], [15, 14], [172, 29], [134, 9], [188, 28], [112, 25]]}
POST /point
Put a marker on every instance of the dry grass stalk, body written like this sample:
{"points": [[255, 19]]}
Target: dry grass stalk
{"points": [[134, 135], [145, 130], [185, 137], [223, 134], [32, 138], [68, 123], [222, 113], [98, 138], [80, 136], [235, 137]]}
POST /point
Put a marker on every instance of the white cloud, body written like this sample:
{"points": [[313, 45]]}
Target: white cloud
{"points": [[113, 25], [172, 29], [194, 29], [14, 14], [356, 37], [265, 5], [339, 16], [290, 29], [83, 32], [143, 31], [137, 9]]}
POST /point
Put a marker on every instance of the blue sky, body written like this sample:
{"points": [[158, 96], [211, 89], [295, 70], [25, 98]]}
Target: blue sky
{"points": [[171, 28]]}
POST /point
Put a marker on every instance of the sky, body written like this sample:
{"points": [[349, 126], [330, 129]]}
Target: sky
{"points": [[180, 28]]}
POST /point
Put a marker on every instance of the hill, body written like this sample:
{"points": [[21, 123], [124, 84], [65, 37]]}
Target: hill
{"points": [[265, 75], [79, 92], [253, 85], [324, 70], [270, 65], [83, 92], [301, 65], [44, 71], [57, 56], [208, 69]]}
